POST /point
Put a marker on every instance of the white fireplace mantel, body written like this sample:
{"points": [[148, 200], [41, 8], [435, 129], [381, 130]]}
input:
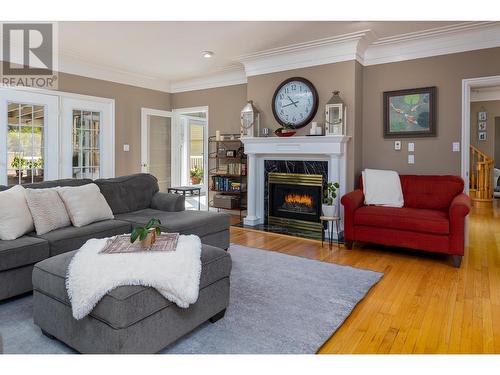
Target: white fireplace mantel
{"points": [[330, 149]]}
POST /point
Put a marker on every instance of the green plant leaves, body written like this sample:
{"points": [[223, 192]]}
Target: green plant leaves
{"points": [[142, 232], [136, 233]]}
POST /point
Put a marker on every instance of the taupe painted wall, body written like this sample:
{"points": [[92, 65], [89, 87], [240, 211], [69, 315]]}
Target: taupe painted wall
{"points": [[432, 155], [224, 106], [493, 109], [343, 76], [128, 103]]}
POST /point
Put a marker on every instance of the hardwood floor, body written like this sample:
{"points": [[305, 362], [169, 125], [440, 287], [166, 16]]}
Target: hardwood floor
{"points": [[422, 304]]}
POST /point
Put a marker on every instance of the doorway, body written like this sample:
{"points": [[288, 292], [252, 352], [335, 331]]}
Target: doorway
{"points": [[156, 145], [192, 150], [483, 172]]}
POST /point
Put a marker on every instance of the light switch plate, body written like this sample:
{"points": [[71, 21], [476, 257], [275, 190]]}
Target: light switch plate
{"points": [[126, 148], [456, 146], [411, 159], [397, 145], [411, 147]]}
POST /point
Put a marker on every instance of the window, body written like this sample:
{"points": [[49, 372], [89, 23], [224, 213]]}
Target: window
{"points": [[86, 144], [25, 143]]}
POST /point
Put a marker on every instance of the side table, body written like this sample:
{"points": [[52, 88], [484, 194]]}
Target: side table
{"points": [[333, 219], [191, 190]]}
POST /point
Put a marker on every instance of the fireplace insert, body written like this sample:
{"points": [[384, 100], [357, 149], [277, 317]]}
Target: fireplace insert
{"points": [[295, 201]]}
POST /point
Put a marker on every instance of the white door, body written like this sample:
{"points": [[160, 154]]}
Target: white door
{"points": [[194, 151], [87, 138], [156, 145], [29, 145]]}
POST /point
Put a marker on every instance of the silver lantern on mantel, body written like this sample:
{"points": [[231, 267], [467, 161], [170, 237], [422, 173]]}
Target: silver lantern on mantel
{"points": [[335, 115], [250, 121]]}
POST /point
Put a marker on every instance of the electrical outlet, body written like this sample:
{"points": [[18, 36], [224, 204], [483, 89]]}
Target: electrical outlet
{"points": [[411, 147], [411, 159], [126, 148], [456, 146], [397, 145]]}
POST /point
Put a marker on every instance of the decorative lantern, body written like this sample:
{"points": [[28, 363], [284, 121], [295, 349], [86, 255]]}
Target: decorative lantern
{"points": [[250, 121], [335, 113]]}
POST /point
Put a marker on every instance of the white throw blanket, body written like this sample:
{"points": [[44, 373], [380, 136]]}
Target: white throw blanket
{"points": [[175, 274]]}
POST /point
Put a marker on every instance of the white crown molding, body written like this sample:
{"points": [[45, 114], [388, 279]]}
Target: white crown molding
{"points": [[72, 64], [230, 76], [485, 94], [466, 36], [362, 46], [317, 52]]}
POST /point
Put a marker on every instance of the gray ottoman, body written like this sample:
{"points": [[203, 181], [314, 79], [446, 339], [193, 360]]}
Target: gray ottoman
{"points": [[129, 319]]}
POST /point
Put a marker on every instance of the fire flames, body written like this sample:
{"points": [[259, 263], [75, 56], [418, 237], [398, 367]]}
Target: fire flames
{"points": [[303, 199]]}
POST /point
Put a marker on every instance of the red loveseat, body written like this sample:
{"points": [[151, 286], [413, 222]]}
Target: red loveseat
{"points": [[432, 219]]}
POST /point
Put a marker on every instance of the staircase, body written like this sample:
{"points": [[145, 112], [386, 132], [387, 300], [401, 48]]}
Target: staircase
{"points": [[480, 178]]}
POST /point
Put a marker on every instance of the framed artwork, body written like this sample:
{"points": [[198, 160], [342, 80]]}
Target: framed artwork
{"points": [[410, 113], [481, 125], [482, 116], [482, 136]]}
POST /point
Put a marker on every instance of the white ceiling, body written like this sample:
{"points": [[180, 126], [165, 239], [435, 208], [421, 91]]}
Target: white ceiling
{"points": [[171, 51]]}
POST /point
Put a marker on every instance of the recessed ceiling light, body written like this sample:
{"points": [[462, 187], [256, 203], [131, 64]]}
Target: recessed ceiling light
{"points": [[207, 54]]}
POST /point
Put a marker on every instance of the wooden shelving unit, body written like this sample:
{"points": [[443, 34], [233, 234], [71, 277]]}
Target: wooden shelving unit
{"points": [[227, 174]]}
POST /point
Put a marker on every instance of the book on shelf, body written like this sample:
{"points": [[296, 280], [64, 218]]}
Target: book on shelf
{"points": [[227, 184]]}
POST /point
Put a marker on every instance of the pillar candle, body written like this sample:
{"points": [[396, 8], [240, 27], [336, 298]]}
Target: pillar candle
{"points": [[217, 135]]}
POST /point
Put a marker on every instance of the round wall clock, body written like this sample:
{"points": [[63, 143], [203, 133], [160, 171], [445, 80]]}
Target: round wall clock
{"points": [[295, 102]]}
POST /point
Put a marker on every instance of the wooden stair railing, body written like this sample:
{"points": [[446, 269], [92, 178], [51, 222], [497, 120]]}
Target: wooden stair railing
{"points": [[481, 177]]}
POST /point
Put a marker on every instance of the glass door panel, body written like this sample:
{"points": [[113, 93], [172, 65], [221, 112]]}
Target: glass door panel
{"points": [[25, 143], [196, 152], [86, 134]]}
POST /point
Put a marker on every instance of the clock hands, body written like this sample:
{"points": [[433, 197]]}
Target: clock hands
{"points": [[294, 103], [289, 104]]}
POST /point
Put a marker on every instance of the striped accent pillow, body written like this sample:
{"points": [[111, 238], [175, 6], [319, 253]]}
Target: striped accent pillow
{"points": [[47, 209]]}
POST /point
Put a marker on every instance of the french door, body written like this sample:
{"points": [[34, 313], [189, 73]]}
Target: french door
{"points": [[87, 138], [194, 161], [51, 135], [29, 144]]}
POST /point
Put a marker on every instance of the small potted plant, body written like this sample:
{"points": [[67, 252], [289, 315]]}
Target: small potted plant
{"points": [[146, 234], [196, 174], [329, 206], [286, 131]]}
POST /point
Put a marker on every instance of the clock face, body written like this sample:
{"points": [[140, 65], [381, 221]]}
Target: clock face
{"points": [[295, 102]]}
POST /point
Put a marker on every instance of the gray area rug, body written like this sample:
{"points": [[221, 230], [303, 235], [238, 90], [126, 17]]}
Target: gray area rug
{"points": [[279, 304]]}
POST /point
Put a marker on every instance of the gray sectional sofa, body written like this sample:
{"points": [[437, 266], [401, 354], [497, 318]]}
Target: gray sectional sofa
{"points": [[134, 200]]}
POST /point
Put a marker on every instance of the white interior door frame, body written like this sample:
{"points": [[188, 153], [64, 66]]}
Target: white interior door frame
{"points": [[467, 85], [177, 130], [145, 113]]}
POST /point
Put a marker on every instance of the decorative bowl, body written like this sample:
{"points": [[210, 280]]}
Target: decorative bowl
{"points": [[285, 134]]}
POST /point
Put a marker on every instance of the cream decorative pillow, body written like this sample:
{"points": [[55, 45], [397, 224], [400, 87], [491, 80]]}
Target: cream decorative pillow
{"points": [[15, 216], [85, 204], [47, 209]]}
